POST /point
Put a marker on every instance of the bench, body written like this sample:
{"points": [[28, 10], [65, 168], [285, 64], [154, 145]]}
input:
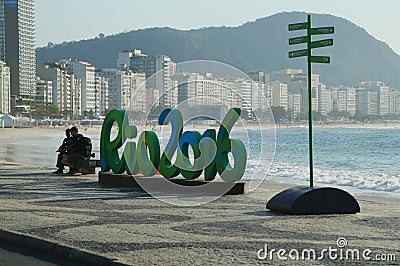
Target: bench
{"points": [[88, 166]]}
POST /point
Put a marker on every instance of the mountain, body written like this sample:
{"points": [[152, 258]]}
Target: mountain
{"points": [[259, 45]]}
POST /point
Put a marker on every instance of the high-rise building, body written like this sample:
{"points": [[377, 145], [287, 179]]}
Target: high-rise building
{"points": [[124, 58], [150, 64], [197, 90], [322, 98], [245, 93], [361, 101], [139, 96], [334, 97], [314, 92], [101, 85], [397, 102], [17, 46], [384, 102], [4, 88], [63, 86], [328, 102], [294, 103], [85, 72], [342, 100], [76, 98], [373, 103], [53, 73], [351, 101], [280, 94], [392, 101], [383, 96], [122, 89], [44, 90], [268, 94], [367, 102]]}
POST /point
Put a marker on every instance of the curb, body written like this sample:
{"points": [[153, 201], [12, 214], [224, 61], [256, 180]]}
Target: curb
{"points": [[55, 249]]}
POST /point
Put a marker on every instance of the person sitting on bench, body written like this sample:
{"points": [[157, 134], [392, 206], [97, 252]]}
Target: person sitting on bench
{"points": [[62, 150], [76, 151]]}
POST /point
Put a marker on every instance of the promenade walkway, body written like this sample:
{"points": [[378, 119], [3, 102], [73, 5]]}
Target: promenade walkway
{"points": [[128, 226]]}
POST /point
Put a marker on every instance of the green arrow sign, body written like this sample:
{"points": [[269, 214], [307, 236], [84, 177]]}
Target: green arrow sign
{"points": [[310, 59], [298, 40], [320, 59], [322, 43], [323, 30], [298, 53], [298, 26]]}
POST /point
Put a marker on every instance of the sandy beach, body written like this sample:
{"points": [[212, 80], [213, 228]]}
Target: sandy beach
{"points": [[13, 134], [140, 126]]}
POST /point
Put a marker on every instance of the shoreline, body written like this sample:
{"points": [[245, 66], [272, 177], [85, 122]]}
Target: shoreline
{"points": [[273, 182], [141, 127], [45, 141]]}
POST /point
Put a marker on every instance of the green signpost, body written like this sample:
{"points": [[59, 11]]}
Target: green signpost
{"points": [[310, 59], [308, 199], [298, 53]]}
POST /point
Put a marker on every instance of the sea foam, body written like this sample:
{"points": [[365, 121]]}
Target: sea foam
{"points": [[288, 172]]}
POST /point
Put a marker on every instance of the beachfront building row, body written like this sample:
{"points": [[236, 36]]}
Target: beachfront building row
{"points": [[105, 89], [57, 85], [368, 98], [375, 99], [203, 90], [194, 89], [365, 99], [77, 88]]}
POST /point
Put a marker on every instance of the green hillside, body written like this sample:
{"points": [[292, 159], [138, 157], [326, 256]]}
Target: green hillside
{"points": [[259, 45]]}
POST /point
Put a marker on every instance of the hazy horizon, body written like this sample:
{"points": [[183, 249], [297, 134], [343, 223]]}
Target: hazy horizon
{"points": [[93, 17]]}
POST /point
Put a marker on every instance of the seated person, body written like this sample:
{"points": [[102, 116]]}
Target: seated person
{"points": [[76, 151], [62, 150]]}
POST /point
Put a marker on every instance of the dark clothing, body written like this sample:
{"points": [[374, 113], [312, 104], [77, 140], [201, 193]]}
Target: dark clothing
{"points": [[59, 158], [74, 158], [78, 149], [76, 145], [63, 150], [64, 146]]}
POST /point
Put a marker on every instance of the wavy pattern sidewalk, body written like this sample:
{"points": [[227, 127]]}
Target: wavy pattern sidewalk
{"points": [[134, 228]]}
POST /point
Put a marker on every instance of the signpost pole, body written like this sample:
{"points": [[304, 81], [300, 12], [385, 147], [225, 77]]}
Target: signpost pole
{"points": [[310, 134], [310, 200], [310, 59]]}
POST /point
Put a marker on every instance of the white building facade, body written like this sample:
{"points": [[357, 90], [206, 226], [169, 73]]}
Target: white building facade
{"points": [[5, 104], [86, 73]]}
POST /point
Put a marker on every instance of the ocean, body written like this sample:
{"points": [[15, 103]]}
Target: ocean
{"points": [[363, 158]]}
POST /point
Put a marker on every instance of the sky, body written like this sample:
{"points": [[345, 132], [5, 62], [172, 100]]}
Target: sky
{"points": [[60, 20]]}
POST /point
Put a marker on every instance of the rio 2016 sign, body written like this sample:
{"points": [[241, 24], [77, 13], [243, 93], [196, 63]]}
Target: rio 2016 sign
{"points": [[210, 150]]}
